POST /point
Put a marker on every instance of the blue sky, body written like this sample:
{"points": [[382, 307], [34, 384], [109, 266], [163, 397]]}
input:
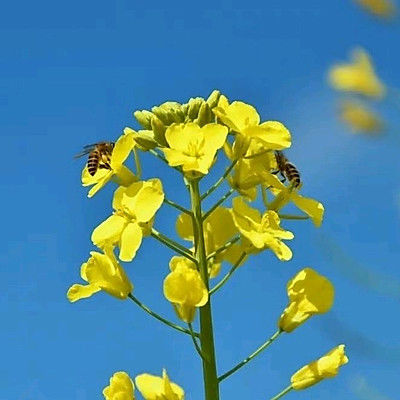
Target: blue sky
{"points": [[71, 74]]}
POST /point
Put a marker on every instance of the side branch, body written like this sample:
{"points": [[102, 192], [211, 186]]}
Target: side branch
{"points": [[182, 250], [297, 217], [218, 203], [229, 274], [224, 247], [251, 356], [177, 206], [281, 394], [160, 318], [220, 180]]}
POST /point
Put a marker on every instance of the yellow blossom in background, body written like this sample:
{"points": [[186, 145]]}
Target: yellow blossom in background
{"points": [[102, 272], [244, 120], [123, 175], [359, 118], [135, 207], [158, 388], [194, 148], [284, 194], [121, 387], [325, 367], [357, 76], [185, 289], [309, 294], [262, 231], [380, 8]]}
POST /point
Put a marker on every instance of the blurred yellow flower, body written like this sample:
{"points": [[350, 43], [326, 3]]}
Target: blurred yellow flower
{"points": [[156, 388], [192, 147], [123, 175], [135, 207], [262, 231], [359, 118], [309, 294], [358, 76], [244, 119], [185, 289], [380, 8], [121, 387], [102, 272], [325, 367], [218, 230], [284, 194]]}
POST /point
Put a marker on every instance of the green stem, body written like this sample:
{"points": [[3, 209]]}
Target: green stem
{"points": [[220, 180], [224, 247], [288, 216], [211, 385], [194, 339], [177, 206], [251, 356], [160, 318], [281, 394], [228, 275], [158, 155], [218, 203], [137, 163], [173, 245]]}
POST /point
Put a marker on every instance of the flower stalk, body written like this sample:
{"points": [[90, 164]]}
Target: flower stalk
{"points": [[281, 394], [211, 385]]}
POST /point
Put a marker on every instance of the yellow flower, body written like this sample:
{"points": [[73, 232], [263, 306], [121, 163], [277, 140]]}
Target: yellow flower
{"points": [[326, 367], [135, 207], [185, 289], [156, 388], [358, 76], [284, 194], [122, 174], [218, 229], [244, 120], [262, 231], [121, 387], [102, 272], [309, 294], [360, 118], [380, 8], [194, 148]]}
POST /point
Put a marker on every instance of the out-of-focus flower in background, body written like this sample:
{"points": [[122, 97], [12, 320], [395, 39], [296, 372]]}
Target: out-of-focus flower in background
{"points": [[380, 8], [358, 76], [360, 118]]}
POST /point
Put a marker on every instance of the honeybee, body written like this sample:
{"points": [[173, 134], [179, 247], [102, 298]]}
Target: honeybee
{"points": [[287, 169], [99, 156]]}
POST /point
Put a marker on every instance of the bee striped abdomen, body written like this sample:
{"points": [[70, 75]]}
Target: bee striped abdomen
{"points": [[93, 162], [292, 174]]}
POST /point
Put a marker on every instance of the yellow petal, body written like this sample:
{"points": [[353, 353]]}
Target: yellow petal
{"points": [[156, 388], [121, 387], [326, 367], [313, 208], [380, 8], [101, 183], [109, 231], [273, 134], [179, 136], [184, 227], [131, 239], [214, 136], [122, 148], [77, 292], [148, 200]]}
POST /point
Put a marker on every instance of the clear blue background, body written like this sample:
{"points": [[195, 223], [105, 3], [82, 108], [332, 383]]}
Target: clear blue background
{"points": [[72, 73]]}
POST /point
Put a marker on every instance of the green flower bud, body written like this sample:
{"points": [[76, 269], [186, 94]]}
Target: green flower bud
{"points": [[194, 107], [159, 131], [205, 115], [213, 98], [144, 118], [145, 140]]}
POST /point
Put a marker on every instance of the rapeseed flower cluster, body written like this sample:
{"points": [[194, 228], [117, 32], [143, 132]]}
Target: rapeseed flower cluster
{"points": [[189, 138]]}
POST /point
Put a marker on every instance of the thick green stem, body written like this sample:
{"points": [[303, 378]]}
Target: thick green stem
{"points": [[211, 385]]}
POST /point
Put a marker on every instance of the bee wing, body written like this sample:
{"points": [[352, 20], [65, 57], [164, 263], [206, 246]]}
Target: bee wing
{"points": [[86, 150]]}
